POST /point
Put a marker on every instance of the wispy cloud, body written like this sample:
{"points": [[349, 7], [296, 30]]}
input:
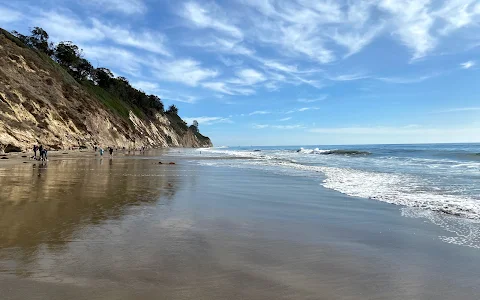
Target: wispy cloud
{"points": [[209, 16], [67, 26], [248, 77], [259, 112], [286, 127], [9, 16], [186, 71], [412, 22], [221, 45], [128, 7], [311, 100], [348, 77], [406, 80], [225, 88], [302, 109], [114, 58], [154, 88], [388, 130], [207, 120], [457, 109], [146, 40], [457, 14], [467, 64], [285, 119]]}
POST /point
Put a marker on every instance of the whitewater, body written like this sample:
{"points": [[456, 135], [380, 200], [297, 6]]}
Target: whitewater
{"points": [[443, 178]]}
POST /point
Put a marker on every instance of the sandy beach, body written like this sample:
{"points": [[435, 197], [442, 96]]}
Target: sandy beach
{"points": [[129, 228]]}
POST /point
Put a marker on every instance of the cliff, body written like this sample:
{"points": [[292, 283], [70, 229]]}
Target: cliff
{"points": [[41, 103]]}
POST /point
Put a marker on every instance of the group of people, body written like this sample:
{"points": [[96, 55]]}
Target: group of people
{"points": [[42, 153], [101, 151], [110, 150]]}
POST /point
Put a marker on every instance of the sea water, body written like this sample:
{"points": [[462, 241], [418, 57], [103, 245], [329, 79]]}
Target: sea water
{"points": [[430, 181]]}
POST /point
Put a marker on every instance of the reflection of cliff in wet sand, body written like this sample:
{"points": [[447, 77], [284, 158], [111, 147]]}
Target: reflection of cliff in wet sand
{"points": [[55, 199]]}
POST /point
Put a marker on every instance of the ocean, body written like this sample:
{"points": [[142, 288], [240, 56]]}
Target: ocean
{"points": [[426, 180]]}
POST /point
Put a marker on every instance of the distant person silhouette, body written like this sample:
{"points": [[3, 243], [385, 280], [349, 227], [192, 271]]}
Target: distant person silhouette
{"points": [[40, 149], [35, 149]]}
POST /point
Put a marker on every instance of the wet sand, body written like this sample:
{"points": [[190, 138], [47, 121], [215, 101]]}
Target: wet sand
{"points": [[129, 228]]}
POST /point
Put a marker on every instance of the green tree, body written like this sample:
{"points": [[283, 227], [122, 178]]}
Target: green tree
{"points": [[83, 70], [172, 109], [67, 54], [103, 77], [39, 40], [194, 126]]}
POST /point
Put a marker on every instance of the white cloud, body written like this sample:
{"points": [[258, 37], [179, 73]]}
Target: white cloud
{"points": [[223, 45], [63, 27], [285, 127], [302, 109], [128, 7], [149, 41], [406, 80], [223, 87], [9, 16], [230, 62], [412, 24], [187, 71], [311, 100], [271, 86], [114, 58], [248, 77], [154, 88], [467, 64], [458, 109], [209, 17], [207, 120], [387, 130], [259, 112], [458, 14], [348, 77], [285, 119], [355, 41]]}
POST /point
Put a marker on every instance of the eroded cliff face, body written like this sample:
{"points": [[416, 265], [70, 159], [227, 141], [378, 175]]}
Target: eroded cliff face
{"points": [[40, 103]]}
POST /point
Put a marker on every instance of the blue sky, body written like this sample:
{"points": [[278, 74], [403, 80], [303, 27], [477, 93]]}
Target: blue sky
{"points": [[278, 72]]}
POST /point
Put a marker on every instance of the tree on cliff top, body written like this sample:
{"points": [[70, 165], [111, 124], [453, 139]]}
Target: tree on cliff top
{"points": [[37, 40], [194, 126], [172, 109]]}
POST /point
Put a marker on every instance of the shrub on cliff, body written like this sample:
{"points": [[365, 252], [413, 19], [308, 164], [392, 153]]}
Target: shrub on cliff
{"points": [[70, 57]]}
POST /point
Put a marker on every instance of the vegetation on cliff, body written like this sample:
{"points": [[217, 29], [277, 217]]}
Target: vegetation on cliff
{"points": [[63, 65]]}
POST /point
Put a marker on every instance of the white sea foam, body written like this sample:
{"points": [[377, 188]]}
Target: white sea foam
{"points": [[462, 232], [313, 151], [394, 188]]}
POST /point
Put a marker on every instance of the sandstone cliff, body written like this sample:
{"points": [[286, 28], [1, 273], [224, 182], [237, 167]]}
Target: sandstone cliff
{"points": [[41, 103]]}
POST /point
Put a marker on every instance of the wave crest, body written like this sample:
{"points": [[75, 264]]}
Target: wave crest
{"points": [[333, 152]]}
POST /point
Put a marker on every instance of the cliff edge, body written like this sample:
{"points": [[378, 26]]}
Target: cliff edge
{"points": [[41, 103]]}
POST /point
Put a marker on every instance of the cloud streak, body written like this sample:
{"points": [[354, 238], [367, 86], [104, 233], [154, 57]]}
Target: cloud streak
{"points": [[467, 65], [207, 120]]}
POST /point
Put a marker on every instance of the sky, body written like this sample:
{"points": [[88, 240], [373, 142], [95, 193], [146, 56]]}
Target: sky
{"points": [[286, 72]]}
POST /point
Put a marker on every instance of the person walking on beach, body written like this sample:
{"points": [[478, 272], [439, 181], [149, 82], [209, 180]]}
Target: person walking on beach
{"points": [[35, 149], [40, 149], [101, 151], [111, 151]]}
